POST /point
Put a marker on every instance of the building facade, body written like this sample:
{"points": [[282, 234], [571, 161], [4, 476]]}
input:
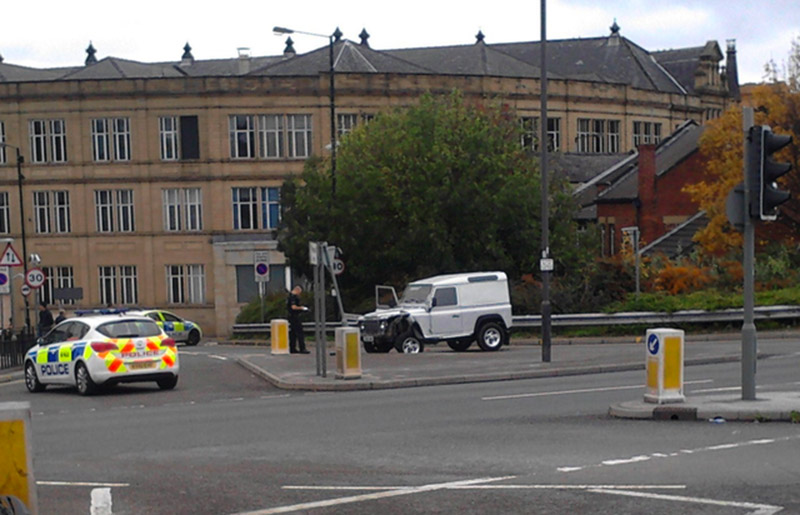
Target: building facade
{"points": [[152, 184]]}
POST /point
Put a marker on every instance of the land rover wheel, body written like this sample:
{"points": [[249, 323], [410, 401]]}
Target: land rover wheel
{"points": [[369, 347], [31, 381], [408, 343], [459, 345], [490, 336]]}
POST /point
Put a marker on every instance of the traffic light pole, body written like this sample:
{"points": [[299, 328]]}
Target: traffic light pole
{"points": [[749, 339]]}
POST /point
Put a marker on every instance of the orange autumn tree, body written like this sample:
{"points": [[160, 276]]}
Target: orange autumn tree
{"points": [[721, 146], [777, 104]]}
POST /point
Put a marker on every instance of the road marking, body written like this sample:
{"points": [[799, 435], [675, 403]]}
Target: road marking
{"points": [[710, 448], [581, 390], [101, 501], [759, 509], [737, 388], [282, 396], [214, 356], [371, 497], [497, 487], [81, 483]]}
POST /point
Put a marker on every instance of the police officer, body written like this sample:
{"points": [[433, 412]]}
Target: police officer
{"points": [[296, 335], [45, 319]]}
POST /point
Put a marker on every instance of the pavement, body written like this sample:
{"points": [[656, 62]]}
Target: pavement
{"points": [[438, 365]]}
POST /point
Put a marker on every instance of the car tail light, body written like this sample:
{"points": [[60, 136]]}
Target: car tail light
{"points": [[167, 342], [104, 346]]}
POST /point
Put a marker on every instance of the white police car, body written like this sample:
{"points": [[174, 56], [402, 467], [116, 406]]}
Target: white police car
{"points": [[94, 351], [179, 329]]}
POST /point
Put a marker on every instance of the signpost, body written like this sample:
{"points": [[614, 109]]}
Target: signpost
{"points": [[10, 257], [35, 278]]}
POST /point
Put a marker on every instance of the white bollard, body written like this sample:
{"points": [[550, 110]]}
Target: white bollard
{"points": [[16, 465], [348, 353], [279, 336], [664, 364]]}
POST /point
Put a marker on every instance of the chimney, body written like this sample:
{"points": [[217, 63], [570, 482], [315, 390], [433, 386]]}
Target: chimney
{"points": [[731, 71], [649, 224], [244, 60]]}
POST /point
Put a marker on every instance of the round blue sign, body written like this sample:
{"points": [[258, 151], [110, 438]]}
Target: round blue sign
{"points": [[3, 279], [262, 269], [652, 344]]}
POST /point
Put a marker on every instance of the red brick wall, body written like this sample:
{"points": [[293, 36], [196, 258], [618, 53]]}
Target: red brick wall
{"points": [[660, 198]]}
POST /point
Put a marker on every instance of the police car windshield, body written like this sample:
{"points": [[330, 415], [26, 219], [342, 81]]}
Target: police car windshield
{"points": [[129, 329], [416, 293]]}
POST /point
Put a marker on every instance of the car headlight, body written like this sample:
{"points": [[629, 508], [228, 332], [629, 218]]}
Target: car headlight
{"points": [[383, 325]]}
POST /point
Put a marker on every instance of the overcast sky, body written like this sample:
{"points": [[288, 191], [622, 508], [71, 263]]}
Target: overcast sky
{"points": [[49, 33]]}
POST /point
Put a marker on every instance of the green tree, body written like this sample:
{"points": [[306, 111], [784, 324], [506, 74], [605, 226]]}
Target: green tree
{"points": [[442, 186]]}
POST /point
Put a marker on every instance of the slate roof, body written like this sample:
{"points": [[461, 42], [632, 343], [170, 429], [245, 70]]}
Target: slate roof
{"points": [[347, 57], [612, 59], [683, 62], [622, 179], [678, 241]]}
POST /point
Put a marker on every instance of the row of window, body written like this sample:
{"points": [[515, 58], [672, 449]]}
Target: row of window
{"points": [[253, 208], [119, 285], [280, 136]]}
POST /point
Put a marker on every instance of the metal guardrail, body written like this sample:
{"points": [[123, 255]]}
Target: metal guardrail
{"points": [[694, 316]]}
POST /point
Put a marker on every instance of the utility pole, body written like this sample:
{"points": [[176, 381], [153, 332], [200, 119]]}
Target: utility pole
{"points": [[546, 263]]}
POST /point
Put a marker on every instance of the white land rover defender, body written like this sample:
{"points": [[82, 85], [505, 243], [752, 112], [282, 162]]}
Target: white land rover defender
{"points": [[458, 309]]}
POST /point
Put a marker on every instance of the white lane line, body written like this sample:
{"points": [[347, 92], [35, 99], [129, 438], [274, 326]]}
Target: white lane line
{"points": [[372, 497], [581, 390], [282, 396], [737, 388], [81, 483], [657, 455], [101, 501], [214, 356], [759, 509], [495, 487]]}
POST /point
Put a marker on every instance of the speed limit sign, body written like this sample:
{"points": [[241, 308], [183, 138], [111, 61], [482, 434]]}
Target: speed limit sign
{"points": [[35, 277]]}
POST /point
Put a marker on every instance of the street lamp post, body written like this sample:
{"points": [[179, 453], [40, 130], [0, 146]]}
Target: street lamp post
{"points": [[20, 177], [332, 38]]}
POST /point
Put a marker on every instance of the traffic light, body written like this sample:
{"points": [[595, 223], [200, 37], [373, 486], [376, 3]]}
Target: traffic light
{"points": [[763, 171]]}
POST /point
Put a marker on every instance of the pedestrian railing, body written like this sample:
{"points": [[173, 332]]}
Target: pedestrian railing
{"points": [[694, 316], [13, 347]]}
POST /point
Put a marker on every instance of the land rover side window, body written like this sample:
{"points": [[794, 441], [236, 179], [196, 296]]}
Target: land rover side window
{"points": [[445, 297], [416, 293]]}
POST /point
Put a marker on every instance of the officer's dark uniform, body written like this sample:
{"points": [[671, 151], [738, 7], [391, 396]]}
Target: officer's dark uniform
{"points": [[295, 326]]}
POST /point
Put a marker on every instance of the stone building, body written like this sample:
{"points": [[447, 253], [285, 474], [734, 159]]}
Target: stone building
{"points": [[153, 184]]}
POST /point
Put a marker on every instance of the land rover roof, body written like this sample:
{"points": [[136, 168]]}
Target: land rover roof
{"points": [[472, 277]]}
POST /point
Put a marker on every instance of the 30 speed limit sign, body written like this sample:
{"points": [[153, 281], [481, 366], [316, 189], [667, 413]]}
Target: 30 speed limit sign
{"points": [[35, 278]]}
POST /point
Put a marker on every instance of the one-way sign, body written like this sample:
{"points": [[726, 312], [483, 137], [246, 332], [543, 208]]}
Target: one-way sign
{"points": [[10, 257]]}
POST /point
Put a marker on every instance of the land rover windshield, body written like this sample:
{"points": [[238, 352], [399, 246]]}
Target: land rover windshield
{"points": [[416, 294]]}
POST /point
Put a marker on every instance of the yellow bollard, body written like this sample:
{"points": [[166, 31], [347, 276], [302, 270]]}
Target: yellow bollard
{"points": [[664, 363], [279, 335], [16, 466], [348, 353]]}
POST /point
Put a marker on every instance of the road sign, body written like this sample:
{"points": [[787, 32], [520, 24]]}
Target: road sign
{"points": [[313, 253], [261, 265], [25, 289], [338, 266], [5, 281], [10, 257], [35, 277], [546, 264]]}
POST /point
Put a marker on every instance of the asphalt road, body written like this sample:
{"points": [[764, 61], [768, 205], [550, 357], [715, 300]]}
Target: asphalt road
{"points": [[226, 442]]}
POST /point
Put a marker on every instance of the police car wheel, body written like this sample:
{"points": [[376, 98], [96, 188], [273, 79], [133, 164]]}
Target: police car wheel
{"points": [[167, 383], [193, 338], [31, 381], [83, 381]]}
